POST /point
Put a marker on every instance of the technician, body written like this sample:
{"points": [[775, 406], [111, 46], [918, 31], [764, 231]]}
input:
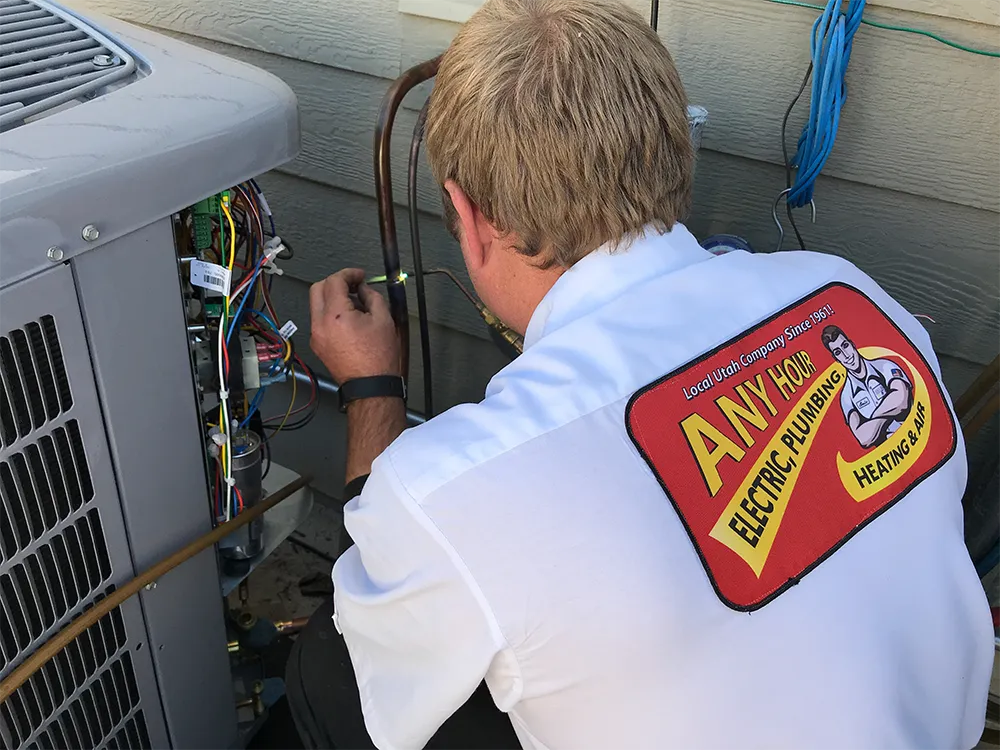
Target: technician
{"points": [[566, 540]]}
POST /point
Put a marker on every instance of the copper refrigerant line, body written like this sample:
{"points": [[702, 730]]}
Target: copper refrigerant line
{"points": [[281, 627], [508, 334], [386, 206], [394, 277], [64, 637]]}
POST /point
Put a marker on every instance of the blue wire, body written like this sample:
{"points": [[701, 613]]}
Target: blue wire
{"points": [[239, 310], [268, 320], [831, 44], [275, 366], [255, 401], [254, 404], [269, 217]]}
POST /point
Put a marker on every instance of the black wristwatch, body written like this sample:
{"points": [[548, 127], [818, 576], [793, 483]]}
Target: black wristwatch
{"points": [[376, 386]]}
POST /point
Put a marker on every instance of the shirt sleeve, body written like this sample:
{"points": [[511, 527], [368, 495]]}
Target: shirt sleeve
{"points": [[890, 370], [419, 632], [846, 403]]}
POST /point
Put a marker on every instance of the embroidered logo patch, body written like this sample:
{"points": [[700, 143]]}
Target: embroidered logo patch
{"points": [[781, 444]]}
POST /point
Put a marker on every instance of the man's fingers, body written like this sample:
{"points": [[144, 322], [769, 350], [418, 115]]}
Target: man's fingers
{"points": [[372, 301], [353, 276], [337, 290], [316, 300]]}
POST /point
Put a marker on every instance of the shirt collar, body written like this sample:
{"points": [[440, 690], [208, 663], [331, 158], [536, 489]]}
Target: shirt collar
{"points": [[604, 275], [859, 384]]}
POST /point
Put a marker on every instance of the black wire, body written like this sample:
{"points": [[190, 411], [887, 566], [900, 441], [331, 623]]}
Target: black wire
{"points": [[247, 232], [418, 262], [654, 13], [267, 457], [297, 425], [300, 422], [784, 153], [309, 416]]}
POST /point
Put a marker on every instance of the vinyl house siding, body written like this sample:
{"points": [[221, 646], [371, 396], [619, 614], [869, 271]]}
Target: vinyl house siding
{"points": [[911, 193]]}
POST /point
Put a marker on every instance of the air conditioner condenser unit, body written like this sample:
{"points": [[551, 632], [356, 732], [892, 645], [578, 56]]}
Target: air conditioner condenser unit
{"points": [[108, 133]]}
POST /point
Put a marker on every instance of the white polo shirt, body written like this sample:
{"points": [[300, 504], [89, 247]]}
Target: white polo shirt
{"points": [[525, 540], [865, 395]]}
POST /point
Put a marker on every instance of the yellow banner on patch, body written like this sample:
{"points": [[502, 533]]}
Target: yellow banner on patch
{"points": [[883, 466], [750, 522]]}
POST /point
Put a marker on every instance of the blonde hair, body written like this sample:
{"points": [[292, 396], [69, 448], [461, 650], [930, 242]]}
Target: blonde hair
{"points": [[565, 122]]}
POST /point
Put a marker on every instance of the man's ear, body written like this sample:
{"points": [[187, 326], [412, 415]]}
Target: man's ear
{"points": [[470, 227]]}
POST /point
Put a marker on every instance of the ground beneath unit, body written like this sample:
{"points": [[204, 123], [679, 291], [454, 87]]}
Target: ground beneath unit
{"points": [[273, 589]]}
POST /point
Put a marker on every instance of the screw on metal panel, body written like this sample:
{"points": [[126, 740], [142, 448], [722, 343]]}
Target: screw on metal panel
{"points": [[150, 586], [103, 61], [55, 254], [90, 233]]}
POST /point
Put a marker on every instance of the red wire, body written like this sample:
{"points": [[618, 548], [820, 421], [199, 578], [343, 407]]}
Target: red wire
{"points": [[221, 262], [260, 235], [251, 200], [268, 334], [313, 391], [267, 304], [239, 499]]}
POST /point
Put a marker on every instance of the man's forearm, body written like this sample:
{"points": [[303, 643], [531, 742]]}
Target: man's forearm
{"points": [[869, 431], [896, 402], [372, 424]]}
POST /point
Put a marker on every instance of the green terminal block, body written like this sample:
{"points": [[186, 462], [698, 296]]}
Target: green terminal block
{"points": [[202, 231], [209, 206], [213, 310], [203, 212]]}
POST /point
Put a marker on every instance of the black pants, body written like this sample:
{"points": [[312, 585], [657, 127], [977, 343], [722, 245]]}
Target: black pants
{"points": [[324, 701]]}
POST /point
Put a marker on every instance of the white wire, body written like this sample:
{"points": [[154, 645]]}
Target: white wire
{"points": [[224, 420], [224, 424]]}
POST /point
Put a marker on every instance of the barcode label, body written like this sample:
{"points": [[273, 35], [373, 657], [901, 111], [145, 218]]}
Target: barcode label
{"points": [[288, 329], [210, 276]]}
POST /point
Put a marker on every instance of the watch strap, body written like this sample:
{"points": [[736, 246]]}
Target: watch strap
{"points": [[376, 386], [353, 488]]}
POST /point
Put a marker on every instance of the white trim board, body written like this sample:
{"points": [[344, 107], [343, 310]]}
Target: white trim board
{"points": [[456, 11]]}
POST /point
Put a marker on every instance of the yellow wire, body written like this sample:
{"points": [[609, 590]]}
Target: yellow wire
{"points": [[222, 448], [224, 204], [291, 403], [232, 234]]}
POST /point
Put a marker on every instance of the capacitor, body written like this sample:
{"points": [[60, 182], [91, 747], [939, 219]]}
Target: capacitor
{"points": [[244, 544]]}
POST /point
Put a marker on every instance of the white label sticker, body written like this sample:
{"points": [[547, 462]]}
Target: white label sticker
{"points": [[210, 276], [287, 330]]}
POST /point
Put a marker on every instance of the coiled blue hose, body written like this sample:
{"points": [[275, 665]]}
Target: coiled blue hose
{"points": [[832, 40]]}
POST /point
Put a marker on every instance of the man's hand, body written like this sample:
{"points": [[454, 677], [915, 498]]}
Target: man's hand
{"points": [[352, 329], [353, 333]]}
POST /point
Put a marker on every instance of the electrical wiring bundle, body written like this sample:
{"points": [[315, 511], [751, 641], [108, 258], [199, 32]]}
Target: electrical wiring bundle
{"points": [[243, 348]]}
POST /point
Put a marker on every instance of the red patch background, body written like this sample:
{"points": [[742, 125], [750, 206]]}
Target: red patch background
{"points": [[821, 515]]}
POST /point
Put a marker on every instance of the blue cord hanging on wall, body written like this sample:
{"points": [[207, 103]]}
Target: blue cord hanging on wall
{"points": [[831, 43]]}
